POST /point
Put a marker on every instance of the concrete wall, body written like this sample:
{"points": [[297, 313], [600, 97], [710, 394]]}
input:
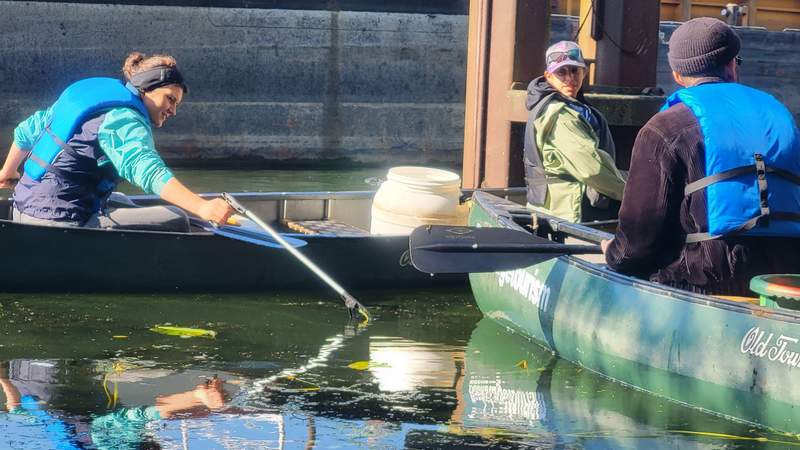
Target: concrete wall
{"points": [[278, 87], [405, 6], [265, 85]]}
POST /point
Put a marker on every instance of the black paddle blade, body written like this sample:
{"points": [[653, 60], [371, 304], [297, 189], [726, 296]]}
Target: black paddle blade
{"points": [[453, 249]]}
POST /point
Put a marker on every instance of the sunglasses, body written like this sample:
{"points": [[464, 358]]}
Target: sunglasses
{"points": [[572, 70], [557, 57]]}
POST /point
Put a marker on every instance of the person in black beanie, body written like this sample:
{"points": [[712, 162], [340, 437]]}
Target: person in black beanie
{"points": [[712, 194]]}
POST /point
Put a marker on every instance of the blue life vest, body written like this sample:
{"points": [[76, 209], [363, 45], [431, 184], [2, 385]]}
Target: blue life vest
{"points": [[65, 178], [752, 161], [79, 101]]}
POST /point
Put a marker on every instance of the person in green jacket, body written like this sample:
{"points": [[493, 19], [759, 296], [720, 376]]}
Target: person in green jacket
{"points": [[114, 142], [569, 152]]}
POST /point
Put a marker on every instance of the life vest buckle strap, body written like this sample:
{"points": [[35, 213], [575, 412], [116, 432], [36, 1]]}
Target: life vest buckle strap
{"points": [[763, 191], [39, 161], [711, 179], [693, 238], [785, 174], [750, 224], [64, 146], [760, 167], [33, 157]]}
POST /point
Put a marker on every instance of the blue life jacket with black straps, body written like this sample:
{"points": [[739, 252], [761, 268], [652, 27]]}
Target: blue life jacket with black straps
{"points": [[66, 176], [752, 161]]}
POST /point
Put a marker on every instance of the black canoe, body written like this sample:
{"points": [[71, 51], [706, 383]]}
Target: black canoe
{"points": [[48, 259]]}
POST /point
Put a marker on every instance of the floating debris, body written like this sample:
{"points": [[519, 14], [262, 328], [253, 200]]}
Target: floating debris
{"points": [[364, 365], [184, 332], [359, 365]]}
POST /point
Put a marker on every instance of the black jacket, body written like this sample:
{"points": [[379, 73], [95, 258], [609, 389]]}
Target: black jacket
{"points": [[655, 217]]}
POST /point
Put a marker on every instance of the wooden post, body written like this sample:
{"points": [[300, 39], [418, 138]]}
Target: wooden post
{"points": [[585, 41], [627, 51], [519, 37], [515, 35], [501, 71], [686, 10], [570, 7], [475, 105], [752, 13]]}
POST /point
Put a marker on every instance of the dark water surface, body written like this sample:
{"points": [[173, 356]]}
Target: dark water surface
{"points": [[288, 370]]}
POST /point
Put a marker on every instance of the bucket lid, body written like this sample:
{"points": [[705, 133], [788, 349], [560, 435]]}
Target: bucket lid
{"points": [[423, 176], [777, 285]]}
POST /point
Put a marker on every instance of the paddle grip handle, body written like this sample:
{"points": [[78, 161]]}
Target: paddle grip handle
{"points": [[234, 203]]}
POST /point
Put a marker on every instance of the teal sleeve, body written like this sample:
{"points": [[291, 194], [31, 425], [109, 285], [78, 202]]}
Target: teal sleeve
{"points": [[124, 428], [127, 139], [28, 131]]}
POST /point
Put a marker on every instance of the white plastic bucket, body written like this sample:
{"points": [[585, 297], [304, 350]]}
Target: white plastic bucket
{"points": [[413, 196]]}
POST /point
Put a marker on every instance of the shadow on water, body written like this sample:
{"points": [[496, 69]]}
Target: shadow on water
{"points": [[288, 371]]}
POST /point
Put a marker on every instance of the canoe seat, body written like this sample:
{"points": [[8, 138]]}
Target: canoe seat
{"points": [[325, 227]]}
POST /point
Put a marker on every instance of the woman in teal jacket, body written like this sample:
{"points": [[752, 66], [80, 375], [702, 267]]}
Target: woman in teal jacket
{"points": [[100, 130]]}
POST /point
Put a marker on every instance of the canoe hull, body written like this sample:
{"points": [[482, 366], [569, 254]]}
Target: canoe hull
{"points": [[75, 260], [731, 359], [47, 259]]}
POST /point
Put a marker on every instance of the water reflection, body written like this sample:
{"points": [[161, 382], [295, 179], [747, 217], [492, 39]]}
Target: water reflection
{"points": [[516, 390], [404, 365], [288, 371]]}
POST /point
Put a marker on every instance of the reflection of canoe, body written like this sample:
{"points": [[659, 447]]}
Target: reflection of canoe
{"points": [[84, 260], [731, 358], [557, 400]]}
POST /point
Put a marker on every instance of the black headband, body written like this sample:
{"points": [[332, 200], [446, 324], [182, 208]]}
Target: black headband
{"points": [[156, 77]]}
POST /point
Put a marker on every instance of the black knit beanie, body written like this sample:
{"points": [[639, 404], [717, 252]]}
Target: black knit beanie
{"points": [[702, 46]]}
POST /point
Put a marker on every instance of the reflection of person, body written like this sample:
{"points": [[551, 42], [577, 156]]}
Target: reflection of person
{"points": [[22, 401], [125, 428], [99, 130], [569, 153], [708, 203], [9, 390]]}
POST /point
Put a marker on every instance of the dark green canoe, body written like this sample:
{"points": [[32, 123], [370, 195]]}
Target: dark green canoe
{"points": [[731, 358]]}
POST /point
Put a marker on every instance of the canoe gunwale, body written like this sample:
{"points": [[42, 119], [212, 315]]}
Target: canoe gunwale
{"points": [[4, 223]]}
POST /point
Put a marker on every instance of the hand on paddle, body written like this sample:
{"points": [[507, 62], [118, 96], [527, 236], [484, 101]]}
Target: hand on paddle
{"points": [[604, 244], [215, 210], [210, 393]]}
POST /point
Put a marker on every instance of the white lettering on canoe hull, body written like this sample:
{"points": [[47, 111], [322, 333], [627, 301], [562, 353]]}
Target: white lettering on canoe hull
{"points": [[783, 350], [526, 285], [492, 400]]}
